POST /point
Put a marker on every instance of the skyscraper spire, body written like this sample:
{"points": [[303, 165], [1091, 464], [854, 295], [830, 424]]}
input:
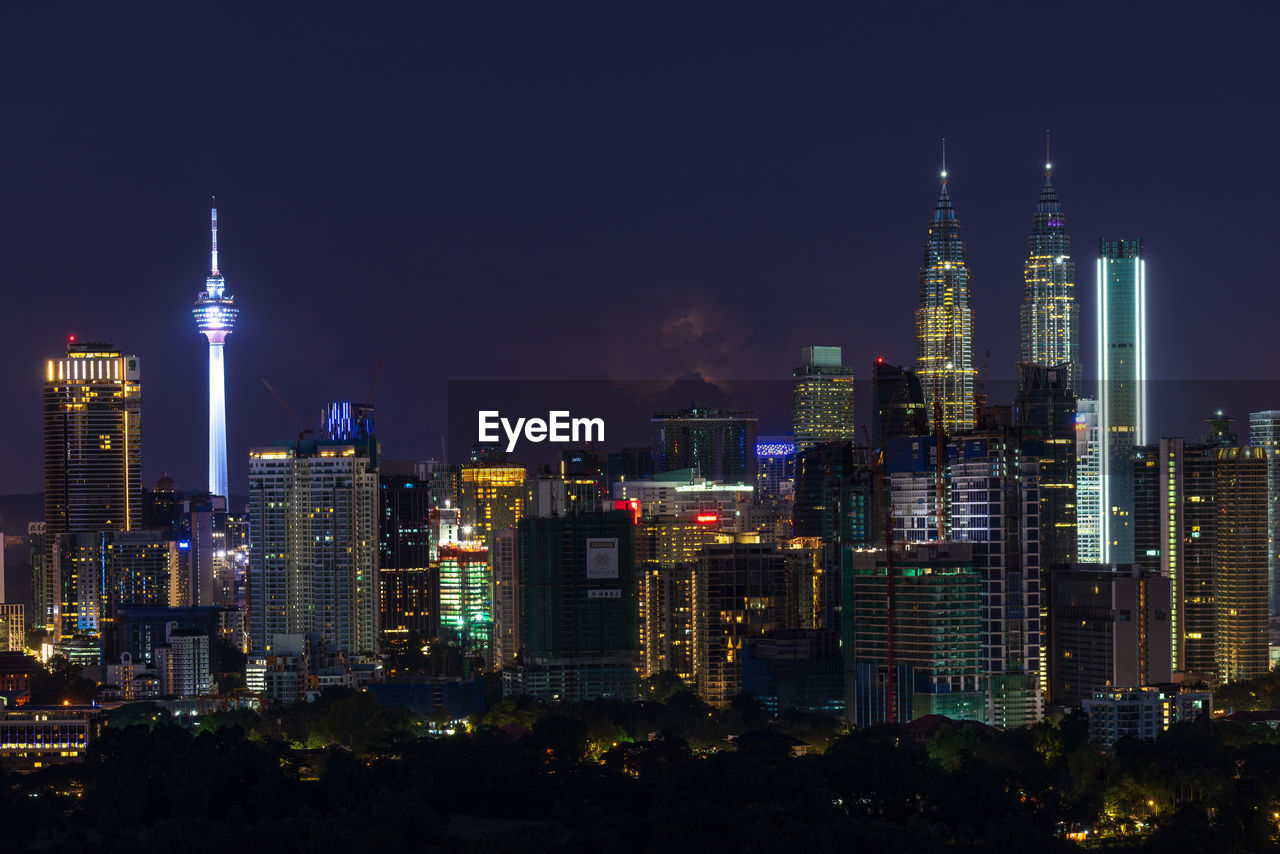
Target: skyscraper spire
{"points": [[213, 206], [944, 321], [1050, 319], [944, 161]]}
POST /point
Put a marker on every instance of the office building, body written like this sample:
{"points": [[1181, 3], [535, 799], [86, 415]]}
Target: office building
{"points": [[491, 498], [13, 627], [899, 402], [944, 322], [1264, 432], [577, 622], [313, 522], [1088, 482], [1044, 412], [406, 589], [1107, 626], [798, 669], [92, 442], [1122, 394], [215, 313], [1050, 317], [716, 445], [937, 631], [740, 592], [776, 466], [1240, 588], [822, 398]]}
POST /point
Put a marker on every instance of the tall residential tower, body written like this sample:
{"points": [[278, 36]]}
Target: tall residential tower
{"points": [[215, 312], [1050, 316], [944, 321]]}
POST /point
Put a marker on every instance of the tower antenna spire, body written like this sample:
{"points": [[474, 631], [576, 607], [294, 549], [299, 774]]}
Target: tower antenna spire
{"points": [[944, 161], [213, 226], [1048, 162]]}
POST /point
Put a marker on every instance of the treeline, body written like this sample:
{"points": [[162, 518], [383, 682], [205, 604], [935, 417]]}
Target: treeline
{"points": [[345, 774]]}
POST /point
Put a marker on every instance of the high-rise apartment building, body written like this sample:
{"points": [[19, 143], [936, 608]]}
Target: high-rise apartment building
{"points": [[577, 623], [944, 322], [1264, 432], [1107, 626], [506, 598], [44, 584], [406, 590], [740, 592], [104, 572], [899, 401], [1122, 394], [822, 398], [1240, 588], [1088, 482], [215, 313], [716, 445], [1050, 316], [313, 522]]}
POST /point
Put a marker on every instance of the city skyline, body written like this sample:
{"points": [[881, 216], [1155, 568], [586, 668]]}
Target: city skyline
{"points": [[809, 203]]}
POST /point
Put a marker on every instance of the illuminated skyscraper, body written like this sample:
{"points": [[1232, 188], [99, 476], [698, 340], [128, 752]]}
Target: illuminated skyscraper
{"points": [[1050, 317], [313, 526], [92, 447], [215, 312], [1264, 432], [822, 398], [1088, 482], [1122, 394], [944, 321], [1240, 582]]}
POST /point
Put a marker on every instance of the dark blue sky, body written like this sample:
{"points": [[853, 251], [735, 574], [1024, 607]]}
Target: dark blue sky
{"points": [[615, 190]]}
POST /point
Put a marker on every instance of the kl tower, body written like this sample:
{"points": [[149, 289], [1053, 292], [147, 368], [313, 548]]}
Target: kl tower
{"points": [[215, 314]]}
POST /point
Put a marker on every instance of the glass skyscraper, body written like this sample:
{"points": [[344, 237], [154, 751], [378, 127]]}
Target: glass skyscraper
{"points": [[1050, 316], [1122, 396], [822, 398], [1264, 432], [944, 322]]}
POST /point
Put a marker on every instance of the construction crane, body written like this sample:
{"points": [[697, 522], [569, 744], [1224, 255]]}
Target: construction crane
{"points": [[302, 430]]}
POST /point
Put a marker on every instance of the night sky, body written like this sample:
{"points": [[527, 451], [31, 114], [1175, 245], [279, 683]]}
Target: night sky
{"points": [[617, 191]]}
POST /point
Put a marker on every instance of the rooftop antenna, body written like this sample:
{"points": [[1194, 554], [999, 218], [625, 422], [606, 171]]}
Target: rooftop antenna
{"points": [[1048, 162], [213, 227], [944, 161]]}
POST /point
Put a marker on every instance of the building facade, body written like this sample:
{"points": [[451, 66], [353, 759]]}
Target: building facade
{"points": [[1122, 393], [716, 445], [1241, 589], [822, 398], [944, 322], [1050, 317], [313, 512]]}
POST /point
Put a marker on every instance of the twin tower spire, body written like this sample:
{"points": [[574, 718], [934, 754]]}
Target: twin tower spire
{"points": [[944, 320]]}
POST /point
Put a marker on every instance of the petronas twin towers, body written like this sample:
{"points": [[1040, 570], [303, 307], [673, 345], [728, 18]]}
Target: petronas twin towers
{"points": [[1050, 320]]}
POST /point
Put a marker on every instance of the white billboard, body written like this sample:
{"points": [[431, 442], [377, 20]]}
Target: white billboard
{"points": [[602, 557]]}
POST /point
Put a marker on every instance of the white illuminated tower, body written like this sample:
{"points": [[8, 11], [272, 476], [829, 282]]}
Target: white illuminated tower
{"points": [[215, 314]]}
